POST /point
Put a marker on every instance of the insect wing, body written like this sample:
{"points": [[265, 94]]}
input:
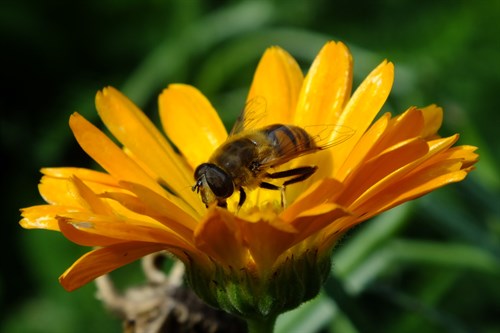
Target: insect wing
{"points": [[324, 137], [252, 115], [327, 136]]}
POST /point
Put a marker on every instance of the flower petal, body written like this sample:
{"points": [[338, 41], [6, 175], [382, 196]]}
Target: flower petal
{"points": [[93, 202], [166, 212], [121, 229], [313, 222], [116, 162], [434, 154], [101, 261], [107, 154], [220, 237], [136, 132], [266, 241], [326, 88], [433, 118], [414, 186], [191, 123], [363, 107], [43, 216], [80, 237], [374, 170], [60, 191], [320, 192], [83, 174], [363, 147], [277, 80], [406, 126]]}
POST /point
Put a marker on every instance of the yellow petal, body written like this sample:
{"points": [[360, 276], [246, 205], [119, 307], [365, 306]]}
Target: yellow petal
{"points": [[136, 132], [363, 107], [83, 174], [60, 191], [43, 216], [277, 80], [93, 202], [101, 261], [326, 87], [191, 123], [57, 185]]}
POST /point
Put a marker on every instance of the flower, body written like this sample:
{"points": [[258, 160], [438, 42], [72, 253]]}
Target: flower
{"points": [[261, 259]]}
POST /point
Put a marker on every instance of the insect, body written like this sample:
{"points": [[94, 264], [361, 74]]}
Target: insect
{"points": [[246, 159]]}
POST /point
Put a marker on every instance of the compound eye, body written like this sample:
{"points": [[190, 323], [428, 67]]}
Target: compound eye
{"points": [[219, 181]]}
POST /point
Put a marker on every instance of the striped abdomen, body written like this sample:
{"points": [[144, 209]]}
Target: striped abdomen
{"points": [[289, 141]]}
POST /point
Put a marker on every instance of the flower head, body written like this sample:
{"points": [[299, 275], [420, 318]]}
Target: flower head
{"points": [[264, 257]]}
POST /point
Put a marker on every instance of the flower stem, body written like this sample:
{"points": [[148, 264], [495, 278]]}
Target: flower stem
{"points": [[261, 325]]}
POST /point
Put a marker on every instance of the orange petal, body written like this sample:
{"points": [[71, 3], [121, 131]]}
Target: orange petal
{"points": [[320, 192], [326, 87], [120, 229], [364, 146], [309, 224], [136, 132], [191, 123], [435, 153], [266, 241], [465, 153], [101, 261], [220, 237], [277, 80], [114, 160], [414, 186], [372, 171], [364, 106], [107, 154], [83, 238], [166, 212], [406, 126]]}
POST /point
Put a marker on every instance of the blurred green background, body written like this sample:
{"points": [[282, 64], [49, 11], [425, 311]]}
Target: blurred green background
{"points": [[429, 266]]}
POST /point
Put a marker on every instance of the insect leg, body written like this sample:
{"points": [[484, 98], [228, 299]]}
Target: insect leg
{"points": [[243, 197], [301, 173], [270, 186]]}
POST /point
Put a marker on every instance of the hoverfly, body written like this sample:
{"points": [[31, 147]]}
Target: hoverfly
{"points": [[246, 159]]}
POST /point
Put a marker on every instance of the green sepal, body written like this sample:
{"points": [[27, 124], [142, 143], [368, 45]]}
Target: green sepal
{"points": [[241, 292]]}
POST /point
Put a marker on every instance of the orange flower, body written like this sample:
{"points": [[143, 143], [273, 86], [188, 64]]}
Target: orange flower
{"points": [[143, 202]]}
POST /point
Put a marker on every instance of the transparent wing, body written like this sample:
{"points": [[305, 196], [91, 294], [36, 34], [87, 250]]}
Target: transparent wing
{"points": [[251, 116], [327, 136]]}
